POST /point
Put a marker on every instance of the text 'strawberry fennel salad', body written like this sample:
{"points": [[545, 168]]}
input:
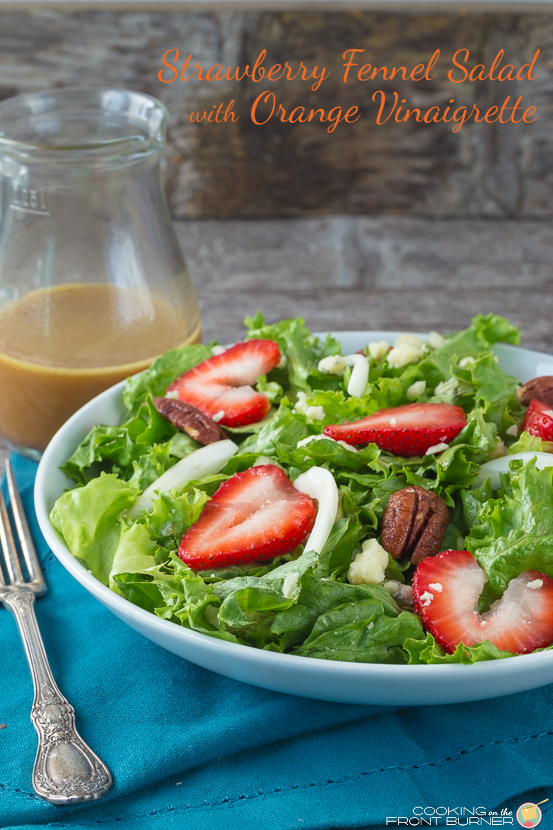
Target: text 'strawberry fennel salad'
{"points": [[390, 506]]}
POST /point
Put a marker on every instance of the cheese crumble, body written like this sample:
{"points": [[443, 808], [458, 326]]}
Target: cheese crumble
{"points": [[369, 566], [426, 599]]}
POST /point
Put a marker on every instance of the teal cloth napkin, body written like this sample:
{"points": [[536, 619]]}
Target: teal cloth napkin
{"points": [[191, 749]]}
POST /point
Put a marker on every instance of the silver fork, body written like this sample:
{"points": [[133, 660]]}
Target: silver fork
{"points": [[66, 770]]}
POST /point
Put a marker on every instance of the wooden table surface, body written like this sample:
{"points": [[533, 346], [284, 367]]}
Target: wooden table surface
{"points": [[356, 273]]}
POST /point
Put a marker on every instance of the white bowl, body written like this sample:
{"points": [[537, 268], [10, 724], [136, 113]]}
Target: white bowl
{"points": [[365, 683]]}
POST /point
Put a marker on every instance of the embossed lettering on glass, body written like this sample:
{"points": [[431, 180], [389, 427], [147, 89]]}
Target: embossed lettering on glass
{"points": [[93, 285]]}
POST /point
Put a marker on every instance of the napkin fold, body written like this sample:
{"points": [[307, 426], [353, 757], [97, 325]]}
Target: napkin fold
{"points": [[192, 749]]}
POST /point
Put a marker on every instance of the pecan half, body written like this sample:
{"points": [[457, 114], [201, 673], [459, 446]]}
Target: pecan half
{"points": [[540, 388], [414, 524], [190, 420]]}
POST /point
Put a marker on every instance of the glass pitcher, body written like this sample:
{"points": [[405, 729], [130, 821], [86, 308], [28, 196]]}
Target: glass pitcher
{"points": [[93, 285]]}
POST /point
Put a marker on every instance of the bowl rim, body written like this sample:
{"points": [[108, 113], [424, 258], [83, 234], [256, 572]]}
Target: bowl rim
{"points": [[307, 664]]}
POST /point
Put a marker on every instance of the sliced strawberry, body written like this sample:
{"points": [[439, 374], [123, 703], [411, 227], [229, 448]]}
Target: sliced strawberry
{"points": [[405, 430], [222, 383], [446, 589], [257, 514], [539, 420]]}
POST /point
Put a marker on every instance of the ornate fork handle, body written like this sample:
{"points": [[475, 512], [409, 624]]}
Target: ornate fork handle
{"points": [[66, 770]]}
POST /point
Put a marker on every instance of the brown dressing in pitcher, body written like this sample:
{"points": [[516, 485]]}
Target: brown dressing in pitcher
{"points": [[60, 347]]}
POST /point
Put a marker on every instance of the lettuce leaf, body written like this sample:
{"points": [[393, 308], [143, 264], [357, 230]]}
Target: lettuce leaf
{"points": [[172, 515], [132, 451], [357, 633], [303, 352], [514, 532], [135, 553], [163, 371], [318, 597], [87, 518], [429, 651], [530, 443]]}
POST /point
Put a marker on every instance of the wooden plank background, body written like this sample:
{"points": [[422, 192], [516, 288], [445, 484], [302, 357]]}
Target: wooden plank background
{"points": [[241, 170], [368, 227]]}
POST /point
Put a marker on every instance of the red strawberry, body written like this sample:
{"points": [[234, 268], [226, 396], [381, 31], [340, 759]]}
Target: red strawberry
{"points": [[405, 430], [446, 589], [222, 383], [539, 420], [257, 514]]}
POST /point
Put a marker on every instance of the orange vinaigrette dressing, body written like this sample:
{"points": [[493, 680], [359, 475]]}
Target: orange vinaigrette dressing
{"points": [[60, 347]]}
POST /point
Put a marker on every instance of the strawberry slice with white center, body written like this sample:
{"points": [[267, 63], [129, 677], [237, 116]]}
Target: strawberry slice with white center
{"points": [[254, 515], [538, 420], [446, 590], [220, 387], [404, 430]]}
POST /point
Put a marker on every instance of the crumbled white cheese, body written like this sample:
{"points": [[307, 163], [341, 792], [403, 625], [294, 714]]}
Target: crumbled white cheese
{"points": [[416, 390], [437, 448], [536, 583], [310, 438], [369, 565], [403, 354], [512, 430], [334, 364], [436, 586], [466, 361], [218, 350], [426, 599], [173, 394], [446, 386], [301, 403], [290, 584], [411, 340], [313, 413], [393, 422], [282, 363], [435, 340], [403, 594], [499, 450], [219, 416], [378, 349]]}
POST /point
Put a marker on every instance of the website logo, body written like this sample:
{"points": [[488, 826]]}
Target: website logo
{"points": [[529, 815]]}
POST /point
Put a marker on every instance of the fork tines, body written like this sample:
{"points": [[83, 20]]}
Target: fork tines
{"points": [[10, 557]]}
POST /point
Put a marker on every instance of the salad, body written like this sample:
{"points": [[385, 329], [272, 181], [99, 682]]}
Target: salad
{"points": [[392, 506]]}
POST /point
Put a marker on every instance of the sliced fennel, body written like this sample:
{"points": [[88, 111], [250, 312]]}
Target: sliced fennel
{"points": [[336, 364], [206, 461], [359, 376], [492, 469], [319, 484]]}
